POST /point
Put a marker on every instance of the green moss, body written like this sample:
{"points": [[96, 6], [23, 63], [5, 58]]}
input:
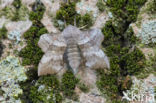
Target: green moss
{"points": [[151, 7], [15, 13], [83, 87], [67, 13], [68, 84], [101, 6], [37, 14], [3, 32], [32, 54], [125, 9], [47, 90], [132, 63], [3, 35], [125, 58], [107, 84], [44, 89], [17, 4], [8, 12], [1, 48], [84, 20]]}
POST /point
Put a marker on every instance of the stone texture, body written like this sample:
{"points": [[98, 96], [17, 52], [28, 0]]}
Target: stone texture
{"points": [[51, 6], [5, 3], [28, 3], [3, 21], [47, 22], [87, 6], [16, 29], [147, 52], [100, 20], [21, 26], [93, 96]]}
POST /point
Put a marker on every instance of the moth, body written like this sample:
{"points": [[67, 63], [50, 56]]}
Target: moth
{"points": [[68, 49]]}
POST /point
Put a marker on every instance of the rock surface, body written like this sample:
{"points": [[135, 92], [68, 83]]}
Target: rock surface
{"points": [[47, 22], [5, 3]]}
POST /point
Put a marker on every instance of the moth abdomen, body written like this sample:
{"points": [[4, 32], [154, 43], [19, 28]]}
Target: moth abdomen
{"points": [[73, 56]]}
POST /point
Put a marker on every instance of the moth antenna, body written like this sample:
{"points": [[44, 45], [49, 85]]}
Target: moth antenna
{"points": [[75, 21], [82, 27], [65, 24]]}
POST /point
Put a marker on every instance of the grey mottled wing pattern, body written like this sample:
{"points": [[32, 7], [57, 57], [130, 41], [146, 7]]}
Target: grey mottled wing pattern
{"points": [[52, 61], [90, 46]]}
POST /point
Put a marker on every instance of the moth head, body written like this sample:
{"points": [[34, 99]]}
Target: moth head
{"points": [[71, 32]]}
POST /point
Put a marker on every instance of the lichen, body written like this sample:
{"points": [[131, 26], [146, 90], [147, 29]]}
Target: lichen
{"points": [[141, 90], [15, 35], [148, 32], [83, 7], [11, 74]]}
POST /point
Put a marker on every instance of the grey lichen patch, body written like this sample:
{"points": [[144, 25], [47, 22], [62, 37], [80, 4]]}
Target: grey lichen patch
{"points": [[11, 74], [142, 89], [148, 32], [147, 12]]}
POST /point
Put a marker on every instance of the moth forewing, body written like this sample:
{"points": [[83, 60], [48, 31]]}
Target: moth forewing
{"points": [[52, 60]]}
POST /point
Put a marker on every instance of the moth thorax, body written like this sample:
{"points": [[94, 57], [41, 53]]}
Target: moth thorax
{"points": [[73, 56]]}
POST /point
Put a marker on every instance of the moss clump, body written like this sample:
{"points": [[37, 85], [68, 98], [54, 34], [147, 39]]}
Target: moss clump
{"points": [[19, 10], [32, 54], [84, 20], [132, 63], [101, 6], [3, 32], [68, 84], [67, 13], [83, 87], [44, 89], [47, 90], [151, 7], [15, 12], [37, 13], [125, 9], [30, 82], [125, 58], [3, 35], [1, 48]]}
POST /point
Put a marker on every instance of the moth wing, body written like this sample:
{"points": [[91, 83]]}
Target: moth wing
{"points": [[51, 39], [91, 49], [52, 61]]}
